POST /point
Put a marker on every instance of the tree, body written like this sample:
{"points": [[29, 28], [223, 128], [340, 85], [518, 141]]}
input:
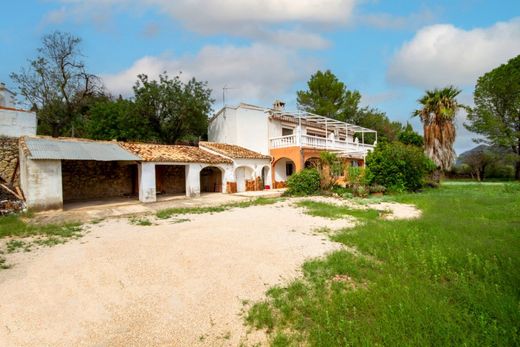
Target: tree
{"points": [[57, 84], [327, 96], [439, 107], [374, 119], [496, 114], [117, 120], [175, 110], [478, 160], [398, 167], [409, 137]]}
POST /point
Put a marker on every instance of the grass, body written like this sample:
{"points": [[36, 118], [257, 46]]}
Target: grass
{"points": [[140, 221], [15, 226], [449, 278], [332, 211], [167, 213]]}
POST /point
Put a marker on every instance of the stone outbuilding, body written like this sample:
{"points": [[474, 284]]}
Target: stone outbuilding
{"points": [[174, 169], [56, 171]]}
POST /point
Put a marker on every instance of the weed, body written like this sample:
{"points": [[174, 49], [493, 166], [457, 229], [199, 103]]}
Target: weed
{"points": [[14, 245], [3, 263], [321, 209], [140, 221], [167, 213]]}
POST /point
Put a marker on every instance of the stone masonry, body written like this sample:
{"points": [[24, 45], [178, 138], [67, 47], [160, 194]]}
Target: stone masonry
{"points": [[84, 180], [8, 164]]}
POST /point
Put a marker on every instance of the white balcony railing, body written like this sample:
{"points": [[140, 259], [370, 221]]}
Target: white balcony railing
{"points": [[320, 143]]}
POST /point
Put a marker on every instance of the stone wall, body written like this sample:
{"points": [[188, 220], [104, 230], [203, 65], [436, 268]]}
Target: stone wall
{"points": [[8, 164], [170, 179], [84, 180]]}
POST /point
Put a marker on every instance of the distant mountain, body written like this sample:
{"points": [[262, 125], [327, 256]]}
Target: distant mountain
{"points": [[500, 152]]}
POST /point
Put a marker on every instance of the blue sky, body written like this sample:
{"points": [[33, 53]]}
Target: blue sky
{"points": [[391, 51]]}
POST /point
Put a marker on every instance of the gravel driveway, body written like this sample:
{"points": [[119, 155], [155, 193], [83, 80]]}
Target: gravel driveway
{"points": [[176, 283]]}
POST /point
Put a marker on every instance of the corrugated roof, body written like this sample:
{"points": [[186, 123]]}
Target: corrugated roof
{"points": [[233, 151], [75, 149], [173, 153]]}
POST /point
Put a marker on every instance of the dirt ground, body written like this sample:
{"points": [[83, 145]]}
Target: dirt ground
{"points": [[180, 282]]}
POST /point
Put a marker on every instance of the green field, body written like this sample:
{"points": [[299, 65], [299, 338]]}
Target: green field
{"points": [[451, 277]]}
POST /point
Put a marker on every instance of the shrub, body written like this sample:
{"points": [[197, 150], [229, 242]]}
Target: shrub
{"points": [[398, 167], [377, 188], [331, 168], [305, 182]]}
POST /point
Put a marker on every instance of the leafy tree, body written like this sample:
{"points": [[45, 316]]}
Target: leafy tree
{"points": [[439, 107], [496, 114], [57, 84], [409, 137], [478, 160], [117, 120], [327, 96], [374, 119], [175, 110], [398, 167]]}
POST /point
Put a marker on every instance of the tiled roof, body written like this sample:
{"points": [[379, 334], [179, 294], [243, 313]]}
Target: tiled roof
{"points": [[173, 153], [233, 151]]}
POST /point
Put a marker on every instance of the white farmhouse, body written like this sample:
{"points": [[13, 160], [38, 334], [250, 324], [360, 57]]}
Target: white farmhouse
{"points": [[292, 139]]}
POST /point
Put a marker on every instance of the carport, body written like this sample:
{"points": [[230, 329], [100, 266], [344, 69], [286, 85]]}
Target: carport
{"points": [[58, 170]]}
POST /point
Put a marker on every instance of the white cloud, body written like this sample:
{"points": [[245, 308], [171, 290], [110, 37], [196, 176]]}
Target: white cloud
{"points": [[442, 54], [223, 15], [279, 21], [256, 73], [393, 22]]}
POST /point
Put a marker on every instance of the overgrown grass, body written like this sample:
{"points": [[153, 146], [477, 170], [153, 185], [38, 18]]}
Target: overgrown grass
{"points": [[167, 213], [15, 226], [449, 278], [332, 211]]}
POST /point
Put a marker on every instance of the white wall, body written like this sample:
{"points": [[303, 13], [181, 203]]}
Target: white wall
{"points": [[17, 123], [223, 128], [41, 183], [147, 187], [242, 126], [252, 130]]}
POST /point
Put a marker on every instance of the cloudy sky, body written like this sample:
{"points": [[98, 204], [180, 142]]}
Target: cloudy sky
{"points": [[391, 51]]}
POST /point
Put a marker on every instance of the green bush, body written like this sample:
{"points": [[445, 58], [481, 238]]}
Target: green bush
{"points": [[398, 167], [305, 182]]}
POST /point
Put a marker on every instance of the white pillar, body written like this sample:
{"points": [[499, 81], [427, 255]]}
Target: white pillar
{"points": [[193, 180], [147, 182]]}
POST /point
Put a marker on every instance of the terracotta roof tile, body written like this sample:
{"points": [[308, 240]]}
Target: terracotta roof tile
{"points": [[233, 151], [173, 153]]}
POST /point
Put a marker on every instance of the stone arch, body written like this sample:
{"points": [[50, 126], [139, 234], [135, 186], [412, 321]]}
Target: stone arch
{"points": [[212, 179]]}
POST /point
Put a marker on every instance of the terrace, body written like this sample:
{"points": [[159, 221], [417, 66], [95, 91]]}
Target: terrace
{"points": [[335, 135]]}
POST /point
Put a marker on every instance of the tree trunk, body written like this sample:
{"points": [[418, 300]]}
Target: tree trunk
{"points": [[436, 175], [517, 170]]}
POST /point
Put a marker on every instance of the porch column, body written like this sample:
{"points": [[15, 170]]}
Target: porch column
{"points": [[147, 191], [193, 180]]}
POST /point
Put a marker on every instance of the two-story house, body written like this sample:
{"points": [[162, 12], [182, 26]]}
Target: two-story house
{"points": [[292, 139]]}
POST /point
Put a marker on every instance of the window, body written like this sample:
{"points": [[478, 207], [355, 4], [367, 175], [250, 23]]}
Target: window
{"points": [[316, 134], [354, 163], [289, 169], [287, 131]]}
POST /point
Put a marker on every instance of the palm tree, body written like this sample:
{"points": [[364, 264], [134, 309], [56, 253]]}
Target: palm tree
{"points": [[439, 107]]}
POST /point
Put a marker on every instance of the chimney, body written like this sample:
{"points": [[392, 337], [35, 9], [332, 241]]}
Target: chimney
{"points": [[278, 105]]}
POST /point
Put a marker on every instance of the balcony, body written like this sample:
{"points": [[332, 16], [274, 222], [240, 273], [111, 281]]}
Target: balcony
{"points": [[344, 147]]}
